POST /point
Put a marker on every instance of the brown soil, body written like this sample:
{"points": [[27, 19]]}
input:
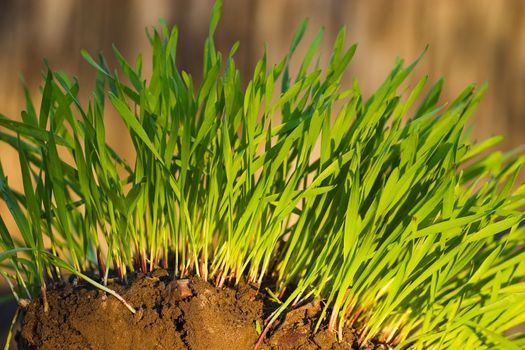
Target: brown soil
{"points": [[171, 314]]}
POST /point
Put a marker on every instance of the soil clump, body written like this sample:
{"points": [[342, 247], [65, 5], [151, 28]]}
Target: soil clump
{"points": [[171, 314]]}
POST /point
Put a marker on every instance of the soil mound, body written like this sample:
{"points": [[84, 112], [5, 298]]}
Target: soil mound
{"points": [[171, 314]]}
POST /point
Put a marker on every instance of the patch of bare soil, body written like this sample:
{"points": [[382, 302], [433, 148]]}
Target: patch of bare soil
{"points": [[171, 314]]}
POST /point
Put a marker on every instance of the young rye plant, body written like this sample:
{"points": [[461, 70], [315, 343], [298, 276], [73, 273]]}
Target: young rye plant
{"points": [[406, 229]]}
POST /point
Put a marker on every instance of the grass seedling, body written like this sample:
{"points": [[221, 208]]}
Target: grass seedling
{"points": [[387, 211]]}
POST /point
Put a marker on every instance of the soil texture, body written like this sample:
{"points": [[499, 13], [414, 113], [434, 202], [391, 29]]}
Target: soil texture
{"points": [[171, 314]]}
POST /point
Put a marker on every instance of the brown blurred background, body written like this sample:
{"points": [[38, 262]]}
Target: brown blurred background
{"points": [[470, 41]]}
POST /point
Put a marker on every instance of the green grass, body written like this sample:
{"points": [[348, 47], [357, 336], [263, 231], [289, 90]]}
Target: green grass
{"points": [[387, 211]]}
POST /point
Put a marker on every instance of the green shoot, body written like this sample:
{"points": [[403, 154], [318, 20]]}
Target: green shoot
{"points": [[409, 231]]}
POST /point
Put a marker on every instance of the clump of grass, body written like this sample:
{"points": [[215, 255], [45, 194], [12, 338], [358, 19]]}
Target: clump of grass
{"points": [[387, 212]]}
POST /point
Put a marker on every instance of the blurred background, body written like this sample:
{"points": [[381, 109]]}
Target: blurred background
{"points": [[469, 40]]}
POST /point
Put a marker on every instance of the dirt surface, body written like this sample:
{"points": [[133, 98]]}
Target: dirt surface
{"points": [[171, 314]]}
